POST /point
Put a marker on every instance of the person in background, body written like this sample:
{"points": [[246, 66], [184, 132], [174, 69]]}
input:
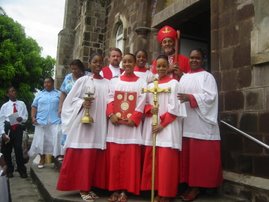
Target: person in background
{"points": [[113, 69], [45, 118], [200, 159], [77, 71], [4, 189], [178, 64], [124, 136], [168, 139], [15, 113], [140, 69], [84, 141]]}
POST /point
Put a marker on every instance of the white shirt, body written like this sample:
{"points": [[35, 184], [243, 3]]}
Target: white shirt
{"points": [[7, 109], [148, 76], [114, 70], [201, 122]]}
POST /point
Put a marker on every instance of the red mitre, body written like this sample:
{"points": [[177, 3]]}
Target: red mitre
{"points": [[166, 32]]}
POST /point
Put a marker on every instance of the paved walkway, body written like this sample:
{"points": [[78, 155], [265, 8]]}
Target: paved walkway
{"points": [[23, 189], [46, 180]]}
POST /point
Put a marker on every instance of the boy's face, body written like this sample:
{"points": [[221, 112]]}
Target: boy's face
{"points": [[12, 93]]}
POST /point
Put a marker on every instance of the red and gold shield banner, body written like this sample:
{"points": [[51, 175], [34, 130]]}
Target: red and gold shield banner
{"points": [[124, 104]]}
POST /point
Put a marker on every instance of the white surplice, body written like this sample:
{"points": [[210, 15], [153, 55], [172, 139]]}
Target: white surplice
{"points": [[201, 122], [123, 134], [171, 135], [148, 76], [82, 135]]}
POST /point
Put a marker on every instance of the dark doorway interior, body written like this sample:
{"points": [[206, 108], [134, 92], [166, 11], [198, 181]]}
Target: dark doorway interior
{"points": [[194, 25]]}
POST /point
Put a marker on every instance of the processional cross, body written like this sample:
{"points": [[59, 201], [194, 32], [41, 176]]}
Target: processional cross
{"points": [[156, 90]]}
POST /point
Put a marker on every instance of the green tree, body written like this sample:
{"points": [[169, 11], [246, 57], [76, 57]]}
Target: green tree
{"points": [[21, 63]]}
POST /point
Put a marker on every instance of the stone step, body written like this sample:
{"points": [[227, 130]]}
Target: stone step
{"points": [[46, 180]]}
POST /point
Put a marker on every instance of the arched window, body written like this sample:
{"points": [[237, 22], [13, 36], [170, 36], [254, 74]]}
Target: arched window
{"points": [[119, 37]]}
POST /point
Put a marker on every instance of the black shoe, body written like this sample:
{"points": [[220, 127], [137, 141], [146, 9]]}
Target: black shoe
{"points": [[23, 175], [10, 175]]}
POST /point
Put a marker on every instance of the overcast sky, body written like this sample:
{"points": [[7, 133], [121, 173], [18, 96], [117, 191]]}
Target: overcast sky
{"points": [[42, 20]]}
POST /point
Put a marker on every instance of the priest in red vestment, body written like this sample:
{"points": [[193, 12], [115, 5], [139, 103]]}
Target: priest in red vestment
{"points": [[179, 64]]}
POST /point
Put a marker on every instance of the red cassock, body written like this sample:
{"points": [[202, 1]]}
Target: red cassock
{"points": [[168, 141], [200, 163], [123, 142]]}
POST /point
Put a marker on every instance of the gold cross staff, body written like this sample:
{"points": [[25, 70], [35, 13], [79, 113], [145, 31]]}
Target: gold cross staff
{"points": [[155, 91]]}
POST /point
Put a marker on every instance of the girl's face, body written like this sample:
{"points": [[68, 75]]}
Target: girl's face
{"points": [[162, 67], [128, 63], [196, 59], [96, 64], [141, 59], [76, 71]]}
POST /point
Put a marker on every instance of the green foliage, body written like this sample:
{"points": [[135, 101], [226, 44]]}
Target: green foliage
{"points": [[21, 63]]}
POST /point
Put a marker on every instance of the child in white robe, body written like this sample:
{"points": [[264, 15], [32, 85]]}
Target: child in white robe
{"points": [[84, 140], [140, 69], [124, 136], [169, 135]]}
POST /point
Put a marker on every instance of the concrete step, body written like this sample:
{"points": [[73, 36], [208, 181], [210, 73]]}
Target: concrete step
{"points": [[46, 180]]}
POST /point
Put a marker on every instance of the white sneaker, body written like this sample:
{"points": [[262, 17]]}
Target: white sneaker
{"points": [[40, 166]]}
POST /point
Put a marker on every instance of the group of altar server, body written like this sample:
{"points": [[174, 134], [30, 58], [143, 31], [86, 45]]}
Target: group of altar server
{"points": [[115, 152]]}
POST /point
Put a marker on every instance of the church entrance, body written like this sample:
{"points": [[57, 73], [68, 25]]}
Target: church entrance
{"points": [[194, 25]]}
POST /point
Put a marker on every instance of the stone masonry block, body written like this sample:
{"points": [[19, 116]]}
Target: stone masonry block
{"points": [[249, 122], [244, 77], [243, 163], [229, 80], [225, 5], [230, 118], [245, 12], [231, 142], [245, 28], [86, 36], [227, 17], [262, 197], [264, 123], [267, 99], [226, 58], [251, 147], [242, 55], [254, 99], [234, 100], [261, 75], [261, 166], [231, 35], [214, 40]]}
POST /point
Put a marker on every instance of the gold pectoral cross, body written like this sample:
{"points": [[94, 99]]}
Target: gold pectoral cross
{"points": [[156, 90]]}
